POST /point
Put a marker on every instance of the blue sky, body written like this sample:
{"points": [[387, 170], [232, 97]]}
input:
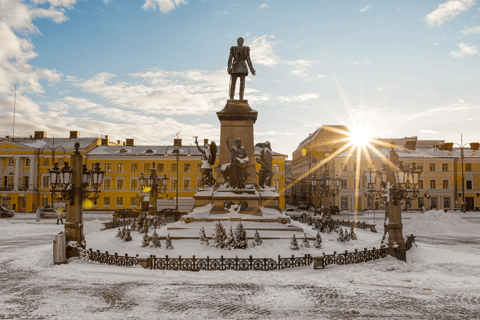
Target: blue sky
{"points": [[148, 69]]}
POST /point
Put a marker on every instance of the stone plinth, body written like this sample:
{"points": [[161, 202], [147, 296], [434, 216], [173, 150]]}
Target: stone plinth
{"points": [[269, 198], [249, 195], [236, 121]]}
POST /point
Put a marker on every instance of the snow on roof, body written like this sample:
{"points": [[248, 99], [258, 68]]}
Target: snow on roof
{"points": [[418, 153], [66, 143]]}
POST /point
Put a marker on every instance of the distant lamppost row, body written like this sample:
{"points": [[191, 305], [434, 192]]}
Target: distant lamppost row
{"points": [[474, 146], [74, 183], [157, 185], [177, 145], [327, 186]]}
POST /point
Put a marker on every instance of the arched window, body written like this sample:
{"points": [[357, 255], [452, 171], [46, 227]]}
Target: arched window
{"points": [[123, 151], [149, 151]]}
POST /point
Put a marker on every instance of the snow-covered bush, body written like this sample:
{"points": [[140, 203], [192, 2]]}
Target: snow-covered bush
{"points": [[318, 241], [353, 235], [146, 240], [156, 239], [120, 233], [240, 237], [230, 240], [294, 243], [168, 243], [219, 236], [256, 239], [127, 236], [202, 239], [305, 242]]}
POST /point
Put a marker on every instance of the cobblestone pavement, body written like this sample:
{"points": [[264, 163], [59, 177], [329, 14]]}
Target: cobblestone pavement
{"points": [[30, 293]]}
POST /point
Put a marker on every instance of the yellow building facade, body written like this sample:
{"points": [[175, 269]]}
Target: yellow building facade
{"points": [[25, 181]]}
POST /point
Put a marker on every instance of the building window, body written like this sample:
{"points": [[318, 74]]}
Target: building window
{"points": [[344, 184], [445, 184], [119, 167], [469, 184], [434, 203], [160, 167], [27, 162], [173, 184], [199, 183], [147, 167], [133, 184], [123, 151], [107, 184], [420, 166], [446, 202], [119, 201], [420, 184], [344, 167], [133, 201], [199, 167], [433, 184], [106, 201], [134, 167], [61, 162], [355, 167], [276, 167], [119, 184], [421, 202], [444, 167], [344, 203], [25, 182], [186, 167], [46, 182], [276, 184], [174, 167], [94, 202], [468, 167], [186, 184], [46, 162], [432, 167], [9, 179], [44, 202], [108, 167]]}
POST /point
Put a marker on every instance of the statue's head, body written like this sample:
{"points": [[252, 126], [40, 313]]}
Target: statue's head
{"points": [[267, 145], [238, 142], [240, 41]]}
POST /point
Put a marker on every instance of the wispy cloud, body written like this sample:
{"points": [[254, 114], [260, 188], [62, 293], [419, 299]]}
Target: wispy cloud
{"points": [[299, 98], [439, 111], [429, 131], [366, 9], [222, 13], [263, 6], [448, 10], [475, 29], [465, 50], [163, 5]]}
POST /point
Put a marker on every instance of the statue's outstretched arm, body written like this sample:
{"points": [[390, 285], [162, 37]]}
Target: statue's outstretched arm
{"points": [[228, 144], [198, 147]]}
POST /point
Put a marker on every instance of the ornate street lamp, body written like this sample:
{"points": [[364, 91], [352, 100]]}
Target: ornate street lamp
{"points": [[157, 185], [177, 145], [327, 187], [73, 185]]}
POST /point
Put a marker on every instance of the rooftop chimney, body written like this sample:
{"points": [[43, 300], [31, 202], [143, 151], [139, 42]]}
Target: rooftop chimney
{"points": [[40, 135], [131, 142], [410, 145], [74, 134], [104, 142]]}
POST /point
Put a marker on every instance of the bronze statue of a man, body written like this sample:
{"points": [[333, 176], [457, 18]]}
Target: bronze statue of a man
{"points": [[265, 173], [238, 164], [237, 66]]}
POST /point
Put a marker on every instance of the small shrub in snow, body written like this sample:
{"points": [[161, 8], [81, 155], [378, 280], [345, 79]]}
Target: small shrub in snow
{"points": [[230, 240], [219, 236], [202, 239], [146, 240], [305, 243], [318, 241], [353, 235], [294, 243], [256, 239], [156, 239], [240, 237], [127, 236], [168, 243], [133, 226], [343, 236], [120, 233]]}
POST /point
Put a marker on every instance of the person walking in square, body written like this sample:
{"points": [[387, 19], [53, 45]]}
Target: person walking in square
{"points": [[60, 217]]}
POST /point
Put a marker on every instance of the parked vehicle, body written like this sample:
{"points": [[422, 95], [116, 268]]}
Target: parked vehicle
{"points": [[50, 213], [294, 213], [125, 213], [334, 210], [171, 213], [6, 213]]}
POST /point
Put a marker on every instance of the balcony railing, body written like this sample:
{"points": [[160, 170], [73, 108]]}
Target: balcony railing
{"points": [[6, 188]]}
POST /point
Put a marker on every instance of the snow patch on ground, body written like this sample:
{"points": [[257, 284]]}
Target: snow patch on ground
{"points": [[438, 221]]}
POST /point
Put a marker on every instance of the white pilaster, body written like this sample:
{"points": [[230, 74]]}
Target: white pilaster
{"points": [[31, 179], [17, 177]]}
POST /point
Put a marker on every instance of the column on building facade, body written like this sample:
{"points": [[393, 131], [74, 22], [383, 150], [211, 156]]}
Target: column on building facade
{"points": [[17, 176], [32, 181], [1, 172]]}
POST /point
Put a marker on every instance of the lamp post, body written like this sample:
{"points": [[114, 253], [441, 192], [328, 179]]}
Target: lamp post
{"points": [[177, 145], [327, 186], [157, 185], [396, 184], [314, 184], [306, 152], [474, 146], [53, 148], [73, 183]]}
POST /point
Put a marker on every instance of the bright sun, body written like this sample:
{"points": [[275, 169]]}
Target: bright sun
{"points": [[359, 136]]}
